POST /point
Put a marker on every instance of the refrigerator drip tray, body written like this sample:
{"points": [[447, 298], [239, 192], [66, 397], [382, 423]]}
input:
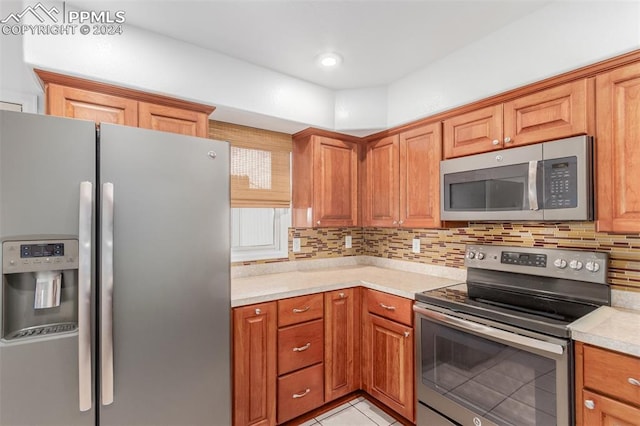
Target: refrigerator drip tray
{"points": [[43, 330]]}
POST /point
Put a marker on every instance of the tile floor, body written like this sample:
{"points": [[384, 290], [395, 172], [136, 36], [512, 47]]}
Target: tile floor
{"points": [[358, 412]]}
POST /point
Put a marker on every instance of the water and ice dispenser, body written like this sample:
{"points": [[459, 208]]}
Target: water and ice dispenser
{"points": [[39, 287]]}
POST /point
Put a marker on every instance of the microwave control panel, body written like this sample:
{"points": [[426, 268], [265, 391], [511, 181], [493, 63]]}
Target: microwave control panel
{"points": [[561, 183]]}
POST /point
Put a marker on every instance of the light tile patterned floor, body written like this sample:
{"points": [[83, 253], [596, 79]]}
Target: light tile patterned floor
{"points": [[358, 412]]}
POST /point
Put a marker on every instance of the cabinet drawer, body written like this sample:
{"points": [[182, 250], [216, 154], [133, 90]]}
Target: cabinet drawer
{"points": [[300, 346], [387, 305], [300, 392], [300, 309], [612, 374]]}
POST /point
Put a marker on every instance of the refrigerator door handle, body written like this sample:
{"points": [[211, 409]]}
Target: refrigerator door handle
{"points": [[85, 384], [106, 297]]}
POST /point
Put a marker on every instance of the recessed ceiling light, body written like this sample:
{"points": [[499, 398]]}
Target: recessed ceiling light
{"points": [[329, 60]]}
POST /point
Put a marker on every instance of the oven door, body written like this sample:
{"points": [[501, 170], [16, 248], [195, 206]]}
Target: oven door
{"points": [[477, 374]]}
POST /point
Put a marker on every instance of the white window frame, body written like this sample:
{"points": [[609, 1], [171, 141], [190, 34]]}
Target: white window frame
{"points": [[280, 248]]}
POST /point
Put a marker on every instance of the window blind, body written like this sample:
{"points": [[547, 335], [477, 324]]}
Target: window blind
{"points": [[260, 165]]}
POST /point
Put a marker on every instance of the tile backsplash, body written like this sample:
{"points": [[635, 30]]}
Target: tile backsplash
{"points": [[445, 247]]}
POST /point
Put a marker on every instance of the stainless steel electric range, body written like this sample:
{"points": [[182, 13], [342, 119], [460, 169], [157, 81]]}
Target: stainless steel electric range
{"points": [[496, 350]]}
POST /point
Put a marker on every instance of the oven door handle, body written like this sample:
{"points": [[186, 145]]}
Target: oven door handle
{"points": [[485, 330]]}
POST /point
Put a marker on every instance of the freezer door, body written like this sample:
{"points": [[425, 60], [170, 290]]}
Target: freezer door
{"points": [[43, 161], [170, 283]]}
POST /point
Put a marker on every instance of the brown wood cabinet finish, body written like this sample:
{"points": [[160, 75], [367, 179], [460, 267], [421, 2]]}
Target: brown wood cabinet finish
{"points": [[553, 113], [607, 387], [382, 181], [295, 310], [325, 176], [300, 392], [342, 342], [388, 364], [254, 365], [103, 103], [300, 346], [617, 150], [420, 155], [389, 306]]}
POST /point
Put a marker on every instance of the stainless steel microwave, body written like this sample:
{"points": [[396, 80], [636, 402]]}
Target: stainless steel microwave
{"points": [[545, 181]]}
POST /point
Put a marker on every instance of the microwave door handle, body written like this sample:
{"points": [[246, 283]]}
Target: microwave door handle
{"points": [[533, 186]]}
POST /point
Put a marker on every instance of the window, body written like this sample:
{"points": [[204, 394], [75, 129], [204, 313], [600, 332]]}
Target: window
{"points": [[260, 190]]}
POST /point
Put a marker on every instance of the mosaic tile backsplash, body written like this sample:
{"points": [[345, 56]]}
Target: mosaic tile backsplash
{"points": [[445, 247]]}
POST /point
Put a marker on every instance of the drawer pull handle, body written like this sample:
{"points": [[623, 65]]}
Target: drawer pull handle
{"points": [[387, 307], [302, 348], [299, 311], [590, 404], [301, 394], [634, 382]]}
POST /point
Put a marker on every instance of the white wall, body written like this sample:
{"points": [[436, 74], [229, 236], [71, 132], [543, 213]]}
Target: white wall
{"points": [[558, 38]]}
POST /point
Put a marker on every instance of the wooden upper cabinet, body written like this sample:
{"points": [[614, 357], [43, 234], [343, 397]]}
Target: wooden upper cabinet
{"points": [[549, 114], [473, 132], [103, 103], [402, 184], [618, 150], [171, 119], [420, 155], [325, 182], [70, 102], [381, 200], [554, 113]]}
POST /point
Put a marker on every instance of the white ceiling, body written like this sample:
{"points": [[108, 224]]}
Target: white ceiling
{"points": [[380, 41]]}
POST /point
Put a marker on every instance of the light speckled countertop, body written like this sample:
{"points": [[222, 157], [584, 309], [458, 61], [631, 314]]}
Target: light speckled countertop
{"points": [[615, 328], [263, 288]]}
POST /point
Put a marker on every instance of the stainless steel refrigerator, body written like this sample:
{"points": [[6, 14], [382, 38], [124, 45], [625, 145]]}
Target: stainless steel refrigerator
{"points": [[115, 281]]}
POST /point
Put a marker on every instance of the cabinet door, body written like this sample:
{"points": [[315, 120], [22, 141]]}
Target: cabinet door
{"points": [[618, 149], [341, 347], [474, 132], [335, 176], [83, 104], [382, 202], [420, 155], [254, 365], [174, 120], [390, 364], [554, 113], [599, 410]]}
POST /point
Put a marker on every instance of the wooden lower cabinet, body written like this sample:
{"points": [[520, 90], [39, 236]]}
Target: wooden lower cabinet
{"points": [[300, 392], [341, 343], [607, 387], [254, 364]]}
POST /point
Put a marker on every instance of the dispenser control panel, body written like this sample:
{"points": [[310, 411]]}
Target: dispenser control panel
{"points": [[39, 255]]}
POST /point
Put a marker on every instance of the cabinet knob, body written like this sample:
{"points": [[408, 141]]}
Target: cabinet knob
{"points": [[407, 334], [507, 140], [258, 311], [341, 295], [495, 142], [634, 382], [589, 404], [395, 222], [318, 223], [401, 222]]}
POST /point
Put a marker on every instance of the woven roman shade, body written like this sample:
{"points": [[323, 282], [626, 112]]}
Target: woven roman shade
{"points": [[260, 165]]}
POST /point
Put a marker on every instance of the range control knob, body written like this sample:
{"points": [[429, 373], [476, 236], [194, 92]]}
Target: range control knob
{"points": [[471, 254], [575, 264], [480, 256], [592, 266], [560, 263]]}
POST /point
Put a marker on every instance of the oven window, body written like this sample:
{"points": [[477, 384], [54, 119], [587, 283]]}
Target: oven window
{"points": [[506, 385]]}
